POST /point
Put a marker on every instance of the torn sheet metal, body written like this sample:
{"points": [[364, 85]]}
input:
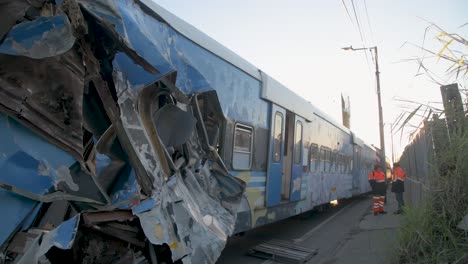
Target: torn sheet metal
{"points": [[31, 169], [38, 170], [62, 237], [41, 38], [15, 209], [194, 218], [198, 69], [46, 95], [116, 155], [200, 224], [30, 163]]}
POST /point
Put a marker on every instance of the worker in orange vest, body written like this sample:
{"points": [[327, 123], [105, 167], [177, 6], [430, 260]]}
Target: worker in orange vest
{"points": [[379, 188], [398, 185]]}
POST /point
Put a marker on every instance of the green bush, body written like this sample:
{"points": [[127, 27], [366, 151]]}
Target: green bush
{"points": [[429, 232]]}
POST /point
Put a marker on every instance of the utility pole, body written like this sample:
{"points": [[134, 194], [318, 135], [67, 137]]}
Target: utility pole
{"points": [[391, 138], [383, 163]]}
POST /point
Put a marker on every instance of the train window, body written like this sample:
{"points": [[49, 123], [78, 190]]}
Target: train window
{"points": [[242, 151], [336, 160], [332, 161], [329, 158], [314, 157], [345, 164], [323, 158], [277, 137], [298, 143], [342, 164]]}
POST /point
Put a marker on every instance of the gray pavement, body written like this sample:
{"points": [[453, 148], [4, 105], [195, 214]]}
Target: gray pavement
{"points": [[348, 234], [375, 238]]}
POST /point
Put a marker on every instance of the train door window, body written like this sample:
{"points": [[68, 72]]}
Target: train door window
{"points": [[298, 143], [242, 151], [314, 157], [305, 159], [277, 137]]}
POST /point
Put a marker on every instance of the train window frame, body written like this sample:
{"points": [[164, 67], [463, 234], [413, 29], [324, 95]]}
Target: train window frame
{"points": [[335, 159], [315, 158], [236, 153], [325, 155], [322, 157], [338, 162], [278, 114], [343, 163], [298, 144]]}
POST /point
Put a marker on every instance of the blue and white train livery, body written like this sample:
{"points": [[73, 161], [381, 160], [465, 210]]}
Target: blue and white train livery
{"points": [[127, 133]]}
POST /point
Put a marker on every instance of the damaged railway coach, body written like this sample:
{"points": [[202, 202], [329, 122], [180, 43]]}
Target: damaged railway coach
{"points": [[128, 136]]}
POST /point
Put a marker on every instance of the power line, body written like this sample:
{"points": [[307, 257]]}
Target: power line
{"points": [[368, 23], [357, 22], [362, 37], [347, 11]]}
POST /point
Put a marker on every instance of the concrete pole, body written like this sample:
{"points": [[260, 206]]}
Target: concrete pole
{"points": [[381, 123]]}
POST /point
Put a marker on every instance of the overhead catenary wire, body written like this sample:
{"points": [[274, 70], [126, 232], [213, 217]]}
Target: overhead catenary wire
{"points": [[362, 37], [347, 11], [369, 23]]}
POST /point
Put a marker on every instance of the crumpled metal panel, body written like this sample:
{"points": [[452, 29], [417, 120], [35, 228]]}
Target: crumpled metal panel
{"points": [[198, 69], [203, 224], [46, 95], [193, 218], [15, 209], [41, 38], [11, 12], [193, 205], [61, 237], [31, 166], [29, 163]]}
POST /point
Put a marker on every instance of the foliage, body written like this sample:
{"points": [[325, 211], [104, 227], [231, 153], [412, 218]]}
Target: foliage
{"points": [[429, 233], [449, 50]]}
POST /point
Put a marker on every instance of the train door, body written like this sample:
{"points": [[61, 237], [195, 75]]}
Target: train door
{"points": [[288, 154], [276, 156], [285, 157], [296, 172]]}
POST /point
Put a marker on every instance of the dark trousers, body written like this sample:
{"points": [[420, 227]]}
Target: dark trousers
{"points": [[399, 198]]}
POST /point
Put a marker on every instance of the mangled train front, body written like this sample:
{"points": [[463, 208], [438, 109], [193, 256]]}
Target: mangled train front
{"points": [[102, 154]]}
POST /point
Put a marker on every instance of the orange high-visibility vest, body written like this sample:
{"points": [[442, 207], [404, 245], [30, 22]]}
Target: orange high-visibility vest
{"points": [[399, 174], [376, 175]]}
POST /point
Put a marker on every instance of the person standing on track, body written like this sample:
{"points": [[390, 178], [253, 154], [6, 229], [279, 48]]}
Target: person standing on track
{"points": [[379, 188], [398, 186]]}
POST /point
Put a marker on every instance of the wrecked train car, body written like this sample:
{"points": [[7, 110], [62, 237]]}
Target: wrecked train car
{"points": [[102, 154], [128, 136]]}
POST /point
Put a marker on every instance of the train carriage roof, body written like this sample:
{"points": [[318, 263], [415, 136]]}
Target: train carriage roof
{"points": [[272, 90]]}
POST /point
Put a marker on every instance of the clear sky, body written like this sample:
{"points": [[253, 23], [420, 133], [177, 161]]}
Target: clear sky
{"points": [[299, 43]]}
